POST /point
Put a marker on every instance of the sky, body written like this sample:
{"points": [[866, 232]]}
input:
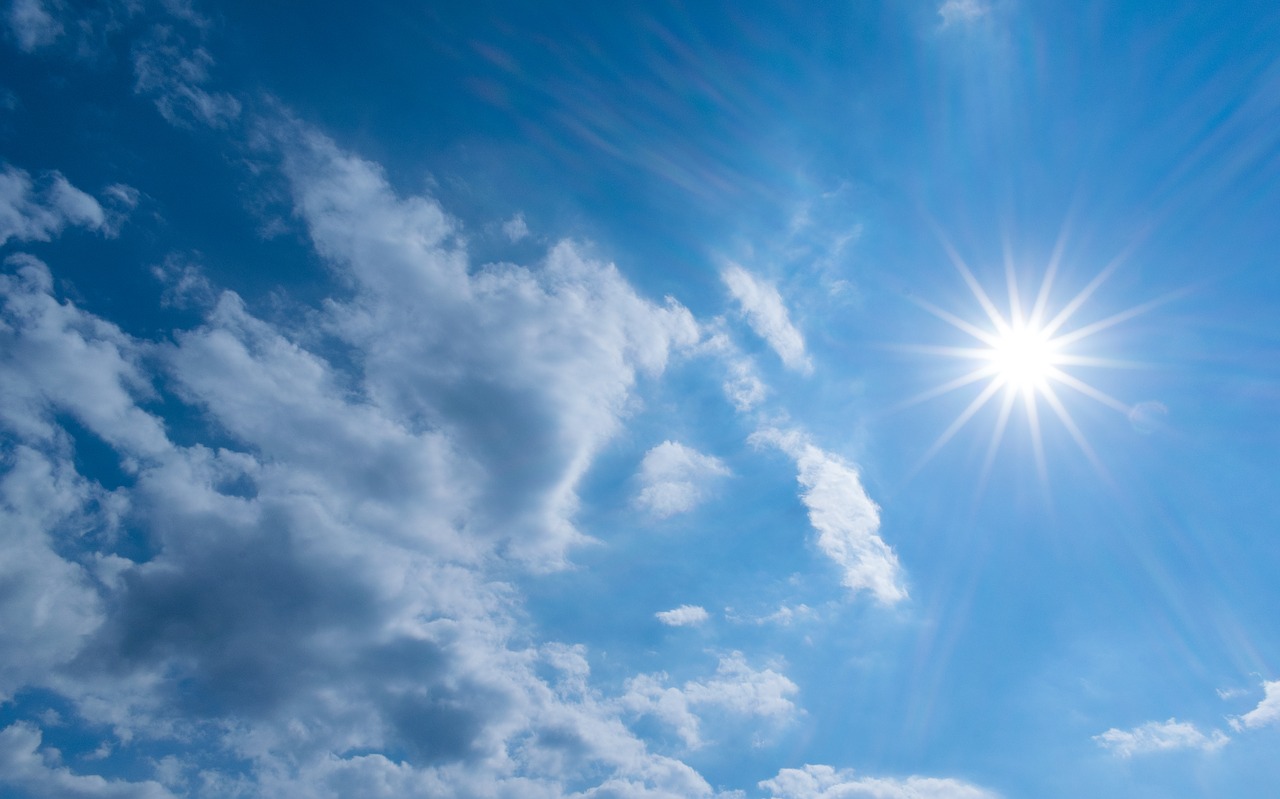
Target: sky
{"points": [[639, 401]]}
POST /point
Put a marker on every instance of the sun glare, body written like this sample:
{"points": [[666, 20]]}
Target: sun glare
{"points": [[1025, 357]]}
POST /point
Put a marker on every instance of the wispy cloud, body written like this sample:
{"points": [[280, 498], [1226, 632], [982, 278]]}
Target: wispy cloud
{"points": [[845, 517], [674, 478], [32, 24], [175, 75], [1160, 736], [683, 616], [958, 11], [825, 782], [762, 305]]}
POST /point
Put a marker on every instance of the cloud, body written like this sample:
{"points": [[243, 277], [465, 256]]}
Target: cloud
{"points": [[825, 782], [846, 519], [528, 371], [683, 616], [767, 316], [32, 24], [173, 74], [38, 774], [38, 211], [742, 384], [673, 478], [737, 689], [515, 228], [960, 11], [1160, 736], [301, 583], [1265, 714]]}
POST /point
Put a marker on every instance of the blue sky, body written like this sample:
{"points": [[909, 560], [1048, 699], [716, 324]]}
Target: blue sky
{"points": [[596, 401]]}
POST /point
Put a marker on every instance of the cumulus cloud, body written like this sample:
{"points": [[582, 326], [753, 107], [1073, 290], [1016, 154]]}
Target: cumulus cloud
{"points": [[767, 315], [958, 11], [825, 782], [683, 616], [1160, 736], [303, 586], [846, 519], [1265, 714], [736, 689], [673, 478], [23, 767]]}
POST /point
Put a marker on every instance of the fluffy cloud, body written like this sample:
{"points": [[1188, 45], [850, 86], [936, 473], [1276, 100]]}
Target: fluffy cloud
{"points": [[301, 585], [38, 774], [528, 371], [768, 317], [38, 212], [673, 478], [1265, 714], [737, 689], [825, 782], [846, 519], [683, 616], [1160, 736]]}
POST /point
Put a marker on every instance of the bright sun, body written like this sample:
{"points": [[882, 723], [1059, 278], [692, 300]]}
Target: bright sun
{"points": [[1023, 357], [1023, 354]]}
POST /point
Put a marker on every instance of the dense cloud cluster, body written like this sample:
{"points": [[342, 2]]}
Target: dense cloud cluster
{"points": [[272, 558]]}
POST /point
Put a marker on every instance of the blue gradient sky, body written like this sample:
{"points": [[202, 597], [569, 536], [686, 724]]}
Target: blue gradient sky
{"points": [[567, 400]]}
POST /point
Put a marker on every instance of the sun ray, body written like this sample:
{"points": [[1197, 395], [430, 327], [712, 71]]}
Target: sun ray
{"points": [[997, 435], [1051, 398], [1037, 441], [961, 420], [951, 385], [958, 323], [1088, 390]]}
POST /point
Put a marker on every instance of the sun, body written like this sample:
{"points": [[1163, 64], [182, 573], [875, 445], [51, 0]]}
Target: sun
{"points": [[1023, 357], [1026, 357]]}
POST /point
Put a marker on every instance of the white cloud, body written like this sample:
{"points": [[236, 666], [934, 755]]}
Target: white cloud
{"points": [[742, 384], [515, 228], [737, 689], [846, 519], [32, 24], [1160, 736], [825, 782], [683, 616], [768, 317], [958, 11], [31, 212], [1265, 714], [528, 371], [313, 581], [39, 774], [673, 478]]}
